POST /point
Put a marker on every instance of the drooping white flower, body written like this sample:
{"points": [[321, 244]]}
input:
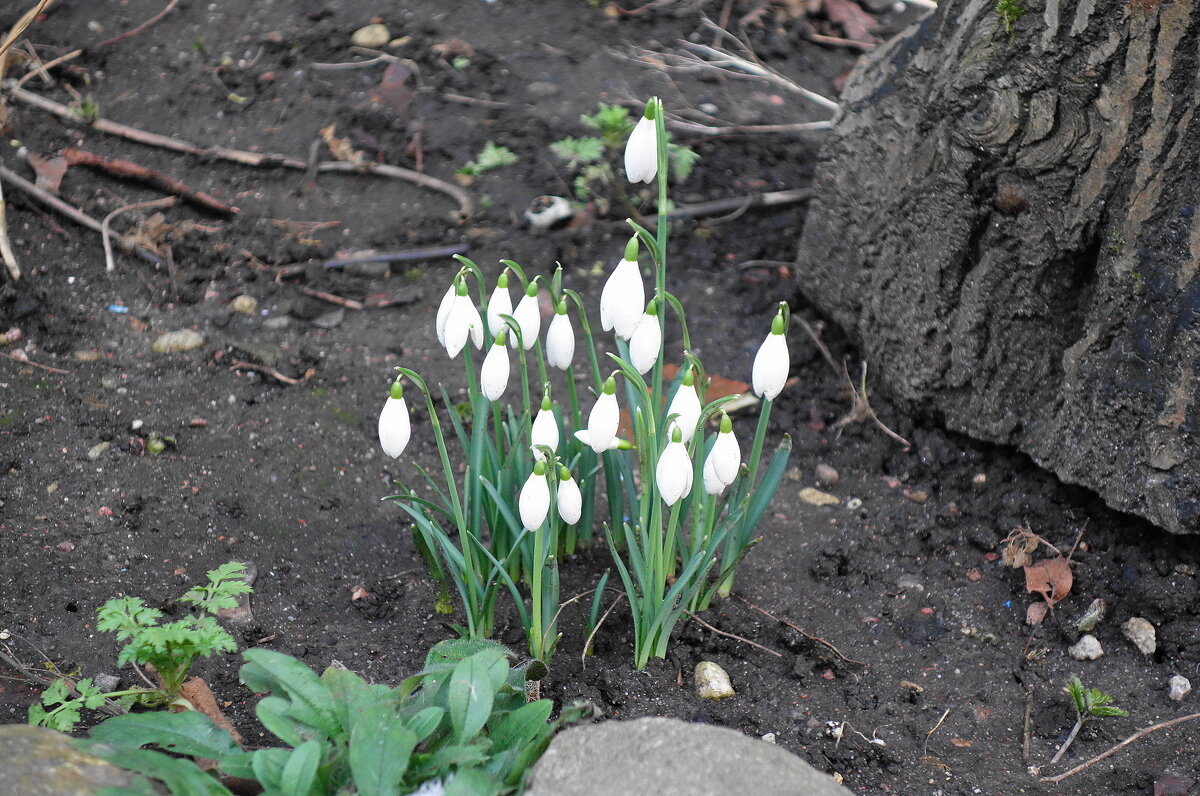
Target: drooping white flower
{"points": [[462, 323], [586, 438], [772, 362], [645, 345], [685, 404], [493, 374], [395, 428], [570, 500], [443, 313], [713, 485], [604, 419], [499, 304], [674, 472], [534, 501], [641, 150], [726, 455], [560, 339], [528, 317], [545, 426], [624, 295]]}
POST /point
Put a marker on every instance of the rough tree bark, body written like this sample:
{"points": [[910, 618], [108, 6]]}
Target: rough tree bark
{"points": [[1007, 226]]}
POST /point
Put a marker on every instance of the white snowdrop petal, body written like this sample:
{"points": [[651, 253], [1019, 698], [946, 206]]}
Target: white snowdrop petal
{"points": [[499, 304], [443, 314], [570, 501], [529, 319], [545, 430], [623, 300], [641, 152], [713, 485], [395, 428], [726, 457], [493, 375], [771, 365], [686, 404], [646, 344], [560, 342], [673, 475], [534, 501], [603, 422], [458, 325]]}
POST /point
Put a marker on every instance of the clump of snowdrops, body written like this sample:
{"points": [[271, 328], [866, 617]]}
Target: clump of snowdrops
{"points": [[681, 503]]}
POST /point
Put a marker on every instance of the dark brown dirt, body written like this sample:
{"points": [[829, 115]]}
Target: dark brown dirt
{"points": [[289, 477]]}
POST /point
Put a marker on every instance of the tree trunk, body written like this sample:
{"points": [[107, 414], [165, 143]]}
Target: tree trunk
{"points": [[1006, 224]]}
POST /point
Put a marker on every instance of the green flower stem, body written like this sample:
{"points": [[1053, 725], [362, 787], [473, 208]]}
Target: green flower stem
{"points": [[661, 235], [760, 435]]}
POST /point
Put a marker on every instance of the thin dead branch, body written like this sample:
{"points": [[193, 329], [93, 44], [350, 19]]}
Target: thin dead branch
{"points": [[925, 758], [47, 66], [151, 21], [136, 171], [20, 356], [587, 645], [802, 632], [466, 205], [110, 263], [1142, 733], [272, 372], [6, 250], [733, 636], [15, 32]]}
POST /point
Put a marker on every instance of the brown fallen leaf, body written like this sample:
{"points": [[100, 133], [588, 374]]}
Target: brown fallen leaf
{"points": [[1035, 613], [340, 147], [850, 17], [961, 743], [49, 171], [1051, 578], [393, 90], [196, 691]]}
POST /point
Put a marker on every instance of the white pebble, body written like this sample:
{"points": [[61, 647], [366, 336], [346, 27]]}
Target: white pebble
{"points": [[1086, 649], [1178, 687], [1141, 633]]}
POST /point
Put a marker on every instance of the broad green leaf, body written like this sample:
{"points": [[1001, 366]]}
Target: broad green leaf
{"points": [[352, 696], [425, 722], [186, 733], [182, 777], [238, 765], [310, 701], [301, 769], [380, 748], [268, 766], [472, 782], [273, 713], [471, 693], [523, 725]]}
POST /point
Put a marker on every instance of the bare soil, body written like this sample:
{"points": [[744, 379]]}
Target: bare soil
{"points": [[934, 664]]}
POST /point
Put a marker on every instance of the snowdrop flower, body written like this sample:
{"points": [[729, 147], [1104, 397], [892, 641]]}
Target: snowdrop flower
{"points": [[641, 151], [528, 317], [534, 501], [772, 361], [570, 500], [545, 426], [443, 312], [624, 295], [462, 323], [493, 375], [674, 472], [713, 485], [645, 345], [499, 304], [724, 460], [617, 443], [395, 429], [604, 419], [560, 339], [685, 404]]}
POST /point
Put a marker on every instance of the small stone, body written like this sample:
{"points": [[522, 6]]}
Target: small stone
{"points": [[1086, 649], [276, 322], [910, 583], [179, 340], [329, 320], [96, 451], [1178, 687], [816, 497], [769, 737], [1141, 633], [136, 425], [371, 36], [106, 682], [541, 90], [40, 762], [247, 305], [712, 682], [827, 476], [88, 356]]}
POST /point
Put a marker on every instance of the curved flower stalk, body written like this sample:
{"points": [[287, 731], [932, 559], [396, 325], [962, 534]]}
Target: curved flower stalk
{"points": [[641, 150], [624, 295], [499, 305], [645, 346], [560, 339], [528, 317], [686, 406], [772, 362], [493, 374], [395, 426], [545, 425]]}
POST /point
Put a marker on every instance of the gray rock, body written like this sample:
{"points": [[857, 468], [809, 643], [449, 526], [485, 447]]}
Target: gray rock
{"points": [[827, 476], [1086, 649], [667, 757], [41, 762], [1141, 633], [1178, 687], [179, 340]]}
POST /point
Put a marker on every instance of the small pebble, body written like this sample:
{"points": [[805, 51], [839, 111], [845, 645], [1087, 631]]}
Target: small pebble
{"points": [[247, 305], [1086, 649], [827, 476], [816, 497], [371, 36], [97, 451], [910, 583], [769, 737], [136, 425], [1141, 633], [180, 340], [854, 503], [106, 682], [1178, 687], [712, 682]]}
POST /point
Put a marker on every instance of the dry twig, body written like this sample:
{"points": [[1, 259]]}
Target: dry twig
{"points": [[925, 758], [587, 645], [170, 6], [733, 636], [6, 251], [136, 171], [799, 630], [46, 67], [110, 263], [272, 372], [1142, 733]]}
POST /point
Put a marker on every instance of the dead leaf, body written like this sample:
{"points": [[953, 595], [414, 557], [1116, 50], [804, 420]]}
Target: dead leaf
{"points": [[850, 17], [1035, 613], [974, 575], [196, 691], [340, 147], [358, 593], [961, 743], [49, 171], [393, 89], [453, 49], [1051, 578]]}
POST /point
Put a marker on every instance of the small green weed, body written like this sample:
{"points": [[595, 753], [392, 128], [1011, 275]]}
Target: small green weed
{"points": [[1089, 703], [1009, 12], [492, 156]]}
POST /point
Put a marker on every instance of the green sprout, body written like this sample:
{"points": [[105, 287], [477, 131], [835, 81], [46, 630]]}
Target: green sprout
{"points": [[492, 156], [88, 111], [1089, 703], [1009, 12]]}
